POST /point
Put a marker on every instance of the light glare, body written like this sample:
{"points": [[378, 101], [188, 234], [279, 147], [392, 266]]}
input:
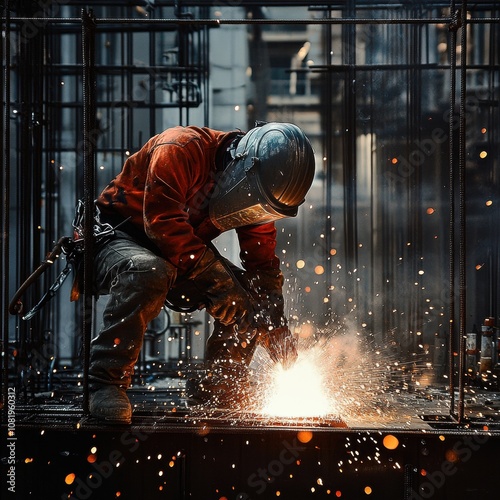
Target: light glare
{"points": [[297, 392]]}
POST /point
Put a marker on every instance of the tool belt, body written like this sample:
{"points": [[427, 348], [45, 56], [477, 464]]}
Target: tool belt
{"points": [[73, 248]]}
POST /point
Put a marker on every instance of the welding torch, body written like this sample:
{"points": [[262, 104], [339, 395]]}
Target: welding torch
{"points": [[282, 346], [278, 341]]}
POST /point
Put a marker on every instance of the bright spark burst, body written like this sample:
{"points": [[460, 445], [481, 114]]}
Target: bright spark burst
{"points": [[297, 392], [338, 375]]}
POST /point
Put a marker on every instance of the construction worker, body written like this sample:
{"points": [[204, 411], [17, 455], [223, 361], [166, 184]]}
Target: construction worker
{"points": [[182, 189]]}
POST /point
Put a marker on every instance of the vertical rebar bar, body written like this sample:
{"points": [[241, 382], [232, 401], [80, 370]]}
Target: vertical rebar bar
{"points": [[327, 140], [206, 74], [462, 212], [451, 338], [89, 162], [349, 152], [6, 202]]}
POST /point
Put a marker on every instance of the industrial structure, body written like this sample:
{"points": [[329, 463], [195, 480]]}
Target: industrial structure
{"points": [[391, 267]]}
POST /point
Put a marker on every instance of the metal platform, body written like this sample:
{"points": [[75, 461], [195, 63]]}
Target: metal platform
{"points": [[175, 451]]}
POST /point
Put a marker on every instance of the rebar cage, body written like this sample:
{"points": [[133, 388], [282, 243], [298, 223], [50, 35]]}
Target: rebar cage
{"points": [[396, 244]]}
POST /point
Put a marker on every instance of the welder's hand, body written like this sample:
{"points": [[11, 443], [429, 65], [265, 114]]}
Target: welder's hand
{"points": [[270, 321], [226, 300], [266, 287]]}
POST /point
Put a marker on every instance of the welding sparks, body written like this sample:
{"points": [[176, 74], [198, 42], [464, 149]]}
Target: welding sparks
{"points": [[336, 376], [338, 379], [297, 392]]}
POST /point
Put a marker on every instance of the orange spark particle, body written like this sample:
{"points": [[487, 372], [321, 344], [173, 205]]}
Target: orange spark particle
{"points": [[319, 269], [69, 479], [430, 211], [451, 456], [304, 436], [390, 442]]}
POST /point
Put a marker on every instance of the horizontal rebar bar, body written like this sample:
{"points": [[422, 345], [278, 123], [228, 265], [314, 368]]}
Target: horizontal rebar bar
{"points": [[220, 22]]}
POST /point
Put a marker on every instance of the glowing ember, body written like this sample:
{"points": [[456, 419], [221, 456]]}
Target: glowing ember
{"points": [[390, 442], [70, 478], [297, 392]]}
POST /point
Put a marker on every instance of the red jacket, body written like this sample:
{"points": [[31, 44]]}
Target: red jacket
{"points": [[164, 189]]}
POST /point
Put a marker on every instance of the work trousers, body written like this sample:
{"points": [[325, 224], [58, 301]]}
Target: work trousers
{"points": [[137, 282]]}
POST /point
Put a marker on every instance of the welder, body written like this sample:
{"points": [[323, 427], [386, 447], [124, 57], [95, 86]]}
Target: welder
{"points": [[181, 190]]}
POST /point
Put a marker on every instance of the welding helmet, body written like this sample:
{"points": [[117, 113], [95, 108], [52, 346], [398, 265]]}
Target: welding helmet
{"points": [[269, 173]]}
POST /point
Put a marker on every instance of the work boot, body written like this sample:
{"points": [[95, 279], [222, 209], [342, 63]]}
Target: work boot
{"points": [[110, 404]]}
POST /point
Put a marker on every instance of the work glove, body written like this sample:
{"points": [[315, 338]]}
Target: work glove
{"points": [[226, 300], [270, 321]]}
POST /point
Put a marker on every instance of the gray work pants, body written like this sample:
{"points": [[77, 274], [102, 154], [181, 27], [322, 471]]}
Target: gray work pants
{"points": [[137, 282]]}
